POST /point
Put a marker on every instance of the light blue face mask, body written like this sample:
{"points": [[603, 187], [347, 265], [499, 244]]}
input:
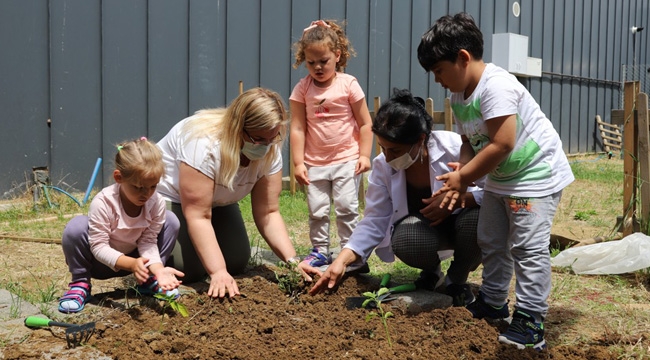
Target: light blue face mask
{"points": [[255, 151]]}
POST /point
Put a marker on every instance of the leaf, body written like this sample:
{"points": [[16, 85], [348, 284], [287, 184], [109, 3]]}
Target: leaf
{"points": [[180, 308], [370, 294], [366, 302], [370, 315], [388, 314], [382, 291]]}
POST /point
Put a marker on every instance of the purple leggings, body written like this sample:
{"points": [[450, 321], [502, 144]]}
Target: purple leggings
{"points": [[82, 264]]}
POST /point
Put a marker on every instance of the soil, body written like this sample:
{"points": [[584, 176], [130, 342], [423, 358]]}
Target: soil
{"points": [[266, 323]]}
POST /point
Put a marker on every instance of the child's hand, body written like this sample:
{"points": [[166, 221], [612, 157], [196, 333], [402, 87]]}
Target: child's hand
{"points": [[452, 189], [363, 165], [139, 270], [167, 278], [301, 174]]}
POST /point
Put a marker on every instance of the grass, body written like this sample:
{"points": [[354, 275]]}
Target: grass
{"points": [[612, 310]]}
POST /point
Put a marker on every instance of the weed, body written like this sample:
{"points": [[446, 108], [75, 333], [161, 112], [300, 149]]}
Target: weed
{"points": [[584, 215]]}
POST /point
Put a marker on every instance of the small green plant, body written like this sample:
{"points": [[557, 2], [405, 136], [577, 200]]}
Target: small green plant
{"points": [[374, 298], [584, 215], [169, 302], [290, 281]]}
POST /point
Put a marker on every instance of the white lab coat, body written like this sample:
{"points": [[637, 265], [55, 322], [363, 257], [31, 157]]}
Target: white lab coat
{"points": [[386, 201]]}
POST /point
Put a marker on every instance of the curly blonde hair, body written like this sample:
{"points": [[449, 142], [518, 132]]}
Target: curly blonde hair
{"points": [[333, 37]]}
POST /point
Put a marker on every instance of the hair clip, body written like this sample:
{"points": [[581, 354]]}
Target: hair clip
{"points": [[144, 138], [120, 147], [315, 24]]}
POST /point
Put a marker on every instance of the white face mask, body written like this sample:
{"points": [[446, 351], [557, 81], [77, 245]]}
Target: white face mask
{"points": [[403, 162], [255, 151]]}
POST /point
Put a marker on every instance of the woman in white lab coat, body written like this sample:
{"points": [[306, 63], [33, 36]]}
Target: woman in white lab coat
{"points": [[401, 218]]}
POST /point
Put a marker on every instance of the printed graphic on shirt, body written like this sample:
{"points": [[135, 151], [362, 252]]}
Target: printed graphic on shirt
{"points": [[321, 109], [518, 166]]}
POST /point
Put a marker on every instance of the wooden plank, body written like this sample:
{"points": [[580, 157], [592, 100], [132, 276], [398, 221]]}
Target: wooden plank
{"points": [[631, 90], [644, 159]]}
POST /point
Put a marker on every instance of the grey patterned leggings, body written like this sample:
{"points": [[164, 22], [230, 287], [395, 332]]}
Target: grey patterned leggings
{"points": [[417, 244]]}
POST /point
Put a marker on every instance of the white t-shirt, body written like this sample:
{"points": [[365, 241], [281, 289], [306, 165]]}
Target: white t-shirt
{"points": [[537, 166], [203, 155]]}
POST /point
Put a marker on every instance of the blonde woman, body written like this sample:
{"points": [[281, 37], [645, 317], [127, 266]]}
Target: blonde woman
{"points": [[213, 159]]}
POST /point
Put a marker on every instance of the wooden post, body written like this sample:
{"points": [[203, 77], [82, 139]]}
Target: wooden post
{"points": [[644, 160], [631, 90], [428, 105], [449, 119]]}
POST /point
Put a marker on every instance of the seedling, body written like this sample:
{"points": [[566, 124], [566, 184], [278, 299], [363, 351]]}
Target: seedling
{"points": [[170, 302], [290, 281], [374, 298], [174, 304]]}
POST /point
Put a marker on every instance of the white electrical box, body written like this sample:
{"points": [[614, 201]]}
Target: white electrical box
{"points": [[510, 51], [534, 67]]}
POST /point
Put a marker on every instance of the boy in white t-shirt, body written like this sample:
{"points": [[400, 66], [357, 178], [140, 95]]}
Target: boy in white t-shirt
{"points": [[507, 137]]}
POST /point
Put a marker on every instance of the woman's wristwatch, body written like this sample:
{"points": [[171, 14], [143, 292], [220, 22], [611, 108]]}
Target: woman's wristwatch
{"points": [[294, 260]]}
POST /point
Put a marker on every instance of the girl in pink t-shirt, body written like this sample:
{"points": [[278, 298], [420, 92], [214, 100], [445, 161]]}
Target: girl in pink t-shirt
{"points": [[331, 138], [127, 230]]}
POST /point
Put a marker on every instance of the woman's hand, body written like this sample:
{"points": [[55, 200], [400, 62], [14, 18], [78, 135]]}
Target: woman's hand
{"points": [[330, 277], [222, 283], [433, 212]]}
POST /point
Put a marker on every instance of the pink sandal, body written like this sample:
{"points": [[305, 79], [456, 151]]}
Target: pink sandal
{"points": [[75, 299]]}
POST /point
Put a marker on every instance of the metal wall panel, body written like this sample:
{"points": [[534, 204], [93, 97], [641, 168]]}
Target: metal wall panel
{"points": [[168, 72], [207, 72], [104, 71], [24, 92], [76, 68], [124, 89]]}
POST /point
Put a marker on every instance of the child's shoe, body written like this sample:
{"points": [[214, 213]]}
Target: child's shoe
{"points": [[524, 332], [75, 298], [150, 287], [480, 309], [316, 259]]}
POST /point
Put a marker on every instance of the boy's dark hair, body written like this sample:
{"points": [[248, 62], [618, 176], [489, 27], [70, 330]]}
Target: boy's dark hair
{"points": [[402, 119], [447, 37]]}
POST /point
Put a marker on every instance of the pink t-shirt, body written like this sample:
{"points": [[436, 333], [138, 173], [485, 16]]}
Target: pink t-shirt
{"points": [[112, 233], [332, 132]]}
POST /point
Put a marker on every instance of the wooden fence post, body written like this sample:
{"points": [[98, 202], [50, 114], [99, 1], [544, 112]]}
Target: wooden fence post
{"points": [[644, 160], [630, 157]]}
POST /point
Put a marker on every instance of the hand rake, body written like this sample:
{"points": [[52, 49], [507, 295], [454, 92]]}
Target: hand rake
{"points": [[74, 334]]}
